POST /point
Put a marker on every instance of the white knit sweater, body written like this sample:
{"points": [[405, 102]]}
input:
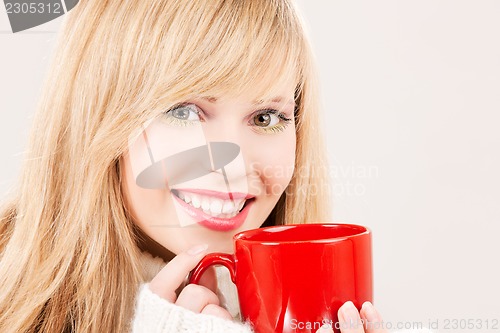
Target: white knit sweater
{"points": [[154, 314]]}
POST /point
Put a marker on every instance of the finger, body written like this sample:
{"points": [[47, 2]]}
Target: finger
{"points": [[215, 310], [209, 279], [195, 297], [349, 319], [372, 319], [173, 274]]}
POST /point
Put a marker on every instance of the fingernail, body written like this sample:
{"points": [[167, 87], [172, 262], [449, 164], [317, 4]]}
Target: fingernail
{"points": [[195, 250], [349, 312], [370, 312]]}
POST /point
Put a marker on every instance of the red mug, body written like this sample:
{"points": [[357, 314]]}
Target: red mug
{"points": [[294, 278]]}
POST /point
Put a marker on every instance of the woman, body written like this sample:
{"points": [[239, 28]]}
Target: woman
{"points": [[80, 232]]}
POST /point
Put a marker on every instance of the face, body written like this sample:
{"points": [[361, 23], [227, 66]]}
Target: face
{"points": [[210, 168]]}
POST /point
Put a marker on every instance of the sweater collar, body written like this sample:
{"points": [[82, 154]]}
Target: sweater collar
{"points": [[151, 265]]}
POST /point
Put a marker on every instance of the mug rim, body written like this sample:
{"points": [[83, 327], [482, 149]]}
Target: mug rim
{"points": [[240, 237]]}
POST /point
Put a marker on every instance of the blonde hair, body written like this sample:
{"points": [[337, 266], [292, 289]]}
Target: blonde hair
{"points": [[68, 246]]}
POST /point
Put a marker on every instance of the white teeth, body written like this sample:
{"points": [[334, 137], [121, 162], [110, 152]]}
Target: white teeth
{"points": [[216, 206], [196, 202], [213, 206], [205, 205], [228, 207]]}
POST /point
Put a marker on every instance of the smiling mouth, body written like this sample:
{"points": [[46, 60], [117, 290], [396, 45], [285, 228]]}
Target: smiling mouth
{"points": [[215, 204]]}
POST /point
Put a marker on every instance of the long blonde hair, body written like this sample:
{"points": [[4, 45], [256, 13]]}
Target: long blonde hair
{"points": [[69, 259]]}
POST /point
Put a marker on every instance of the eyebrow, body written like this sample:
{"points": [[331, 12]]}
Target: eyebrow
{"points": [[212, 99]]}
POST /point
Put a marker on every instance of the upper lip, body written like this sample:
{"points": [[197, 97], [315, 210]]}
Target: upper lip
{"points": [[216, 194]]}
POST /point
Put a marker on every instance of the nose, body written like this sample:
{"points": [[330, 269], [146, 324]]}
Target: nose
{"points": [[226, 128], [223, 153], [188, 165]]}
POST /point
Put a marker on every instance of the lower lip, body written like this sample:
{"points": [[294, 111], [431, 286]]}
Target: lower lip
{"points": [[215, 223]]}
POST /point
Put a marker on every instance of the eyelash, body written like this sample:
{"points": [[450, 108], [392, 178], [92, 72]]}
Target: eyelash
{"points": [[282, 124], [280, 127], [171, 120]]}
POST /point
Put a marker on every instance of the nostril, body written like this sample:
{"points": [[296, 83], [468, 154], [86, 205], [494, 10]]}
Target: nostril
{"points": [[223, 153]]}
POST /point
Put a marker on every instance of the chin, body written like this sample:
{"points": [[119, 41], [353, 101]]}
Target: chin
{"points": [[224, 248]]}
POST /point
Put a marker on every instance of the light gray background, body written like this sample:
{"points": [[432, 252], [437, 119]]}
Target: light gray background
{"points": [[411, 99]]}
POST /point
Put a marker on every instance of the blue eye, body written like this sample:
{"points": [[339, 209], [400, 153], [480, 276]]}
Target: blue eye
{"points": [[182, 115], [185, 112]]}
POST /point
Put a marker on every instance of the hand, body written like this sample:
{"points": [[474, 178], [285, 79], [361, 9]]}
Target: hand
{"points": [[368, 320], [197, 298]]}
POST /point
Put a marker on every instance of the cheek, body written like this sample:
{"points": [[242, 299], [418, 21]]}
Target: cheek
{"points": [[274, 160], [144, 204]]}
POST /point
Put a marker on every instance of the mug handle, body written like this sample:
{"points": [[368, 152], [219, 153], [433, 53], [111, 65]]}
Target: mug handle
{"points": [[210, 259]]}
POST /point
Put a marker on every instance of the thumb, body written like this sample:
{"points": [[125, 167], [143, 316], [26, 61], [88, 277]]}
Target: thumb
{"points": [[165, 283]]}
